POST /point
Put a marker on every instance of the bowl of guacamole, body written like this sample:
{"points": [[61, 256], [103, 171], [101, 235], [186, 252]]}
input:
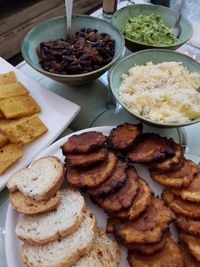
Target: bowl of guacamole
{"points": [[150, 26]]}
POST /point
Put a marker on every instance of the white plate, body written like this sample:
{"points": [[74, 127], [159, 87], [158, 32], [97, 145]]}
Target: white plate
{"points": [[57, 113], [12, 244]]}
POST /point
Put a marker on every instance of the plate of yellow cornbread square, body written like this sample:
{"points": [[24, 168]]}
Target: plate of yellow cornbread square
{"points": [[31, 118]]}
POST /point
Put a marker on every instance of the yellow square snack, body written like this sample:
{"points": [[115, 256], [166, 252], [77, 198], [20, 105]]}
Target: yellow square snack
{"points": [[8, 77], [24, 130], [12, 89], [1, 115], [4, 122], [9, 154], [19, 106], [3, 140]]}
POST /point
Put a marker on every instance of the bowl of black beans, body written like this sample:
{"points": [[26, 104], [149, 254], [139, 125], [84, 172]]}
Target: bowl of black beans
{"points": [[81, 57]]}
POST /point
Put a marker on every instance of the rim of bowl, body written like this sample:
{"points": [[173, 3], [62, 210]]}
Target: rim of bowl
{"points": [[151, 45], [122, 42], [161, 124]]}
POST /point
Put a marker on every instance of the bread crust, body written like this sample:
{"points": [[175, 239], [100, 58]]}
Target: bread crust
{"points": [[105, 252], [49, 190], [30, 206], [58, 230], [67, 258]]}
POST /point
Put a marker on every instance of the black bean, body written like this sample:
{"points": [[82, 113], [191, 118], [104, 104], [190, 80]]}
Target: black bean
{"points": [[96, 67], [95, 44], [85, 63], [107, 60], [89, 30], [70, 58], [83, 52], [92, 37], [85, 57]]}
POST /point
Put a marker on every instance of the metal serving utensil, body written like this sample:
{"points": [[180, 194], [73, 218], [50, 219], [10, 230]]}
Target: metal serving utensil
{"points": [[176, 30], [68, 9]]}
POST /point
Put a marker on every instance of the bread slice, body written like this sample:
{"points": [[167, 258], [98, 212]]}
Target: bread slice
{"points": [[39, 181], [105, 252], [30, 206], [64, 252], [44, 228]]}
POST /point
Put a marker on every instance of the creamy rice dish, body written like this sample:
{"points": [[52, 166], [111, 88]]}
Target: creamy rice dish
{"points": [[164, 92]]}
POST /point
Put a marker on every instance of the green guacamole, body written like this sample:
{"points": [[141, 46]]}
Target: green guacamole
{"points": [[149, 30]]}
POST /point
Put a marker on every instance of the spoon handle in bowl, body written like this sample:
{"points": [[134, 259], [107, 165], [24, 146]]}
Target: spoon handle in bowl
{"points": [[68, 7], [179, 12]]}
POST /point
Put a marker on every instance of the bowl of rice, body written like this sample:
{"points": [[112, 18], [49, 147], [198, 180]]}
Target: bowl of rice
{"points": [[147, 26], [159, 87]]}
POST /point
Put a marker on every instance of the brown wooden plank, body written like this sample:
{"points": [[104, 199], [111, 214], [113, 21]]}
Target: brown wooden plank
{"points": [[85, 6], [10, 41], [14, 20]]}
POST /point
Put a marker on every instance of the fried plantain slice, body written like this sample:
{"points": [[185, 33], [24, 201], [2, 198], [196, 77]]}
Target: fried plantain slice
{"points": [[150, 148], [123, 136], [140, 203], [176, 179], [181, 207], [85, 160], [92, 176], [169, 256], [191, 226], [148, 248], [84, 143], [191, 193], [149, 227], [113, 183], [123, 198], [172, 163], [191, 242], [189, 260]]}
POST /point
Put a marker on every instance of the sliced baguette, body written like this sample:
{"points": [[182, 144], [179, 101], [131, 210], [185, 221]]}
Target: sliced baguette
{"points": [[30, 206], [44, 228], [40, 181], [64, 252], [105, 252]]}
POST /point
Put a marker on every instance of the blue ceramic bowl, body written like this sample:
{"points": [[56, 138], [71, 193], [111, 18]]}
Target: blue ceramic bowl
{"points": [[168, 16], [141, 58], [55, 28]]}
